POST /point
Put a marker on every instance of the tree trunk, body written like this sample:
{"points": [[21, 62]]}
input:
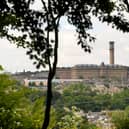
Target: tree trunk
{"points": [[51, 75], [48, 102]]}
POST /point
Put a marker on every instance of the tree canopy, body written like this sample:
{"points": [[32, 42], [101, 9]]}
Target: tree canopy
{"points": [[33, 23]]}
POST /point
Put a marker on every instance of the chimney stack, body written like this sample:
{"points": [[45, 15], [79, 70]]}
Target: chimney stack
{"points": [[111, 52]]}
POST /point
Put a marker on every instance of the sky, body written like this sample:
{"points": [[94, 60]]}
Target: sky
{"points": [[14, 59]]}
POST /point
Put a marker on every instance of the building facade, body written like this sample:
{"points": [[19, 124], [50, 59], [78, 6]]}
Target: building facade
{"points": [[93, 71]]}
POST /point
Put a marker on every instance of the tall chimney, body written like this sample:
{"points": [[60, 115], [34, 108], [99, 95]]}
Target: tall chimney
{"points": [[111, 51]]}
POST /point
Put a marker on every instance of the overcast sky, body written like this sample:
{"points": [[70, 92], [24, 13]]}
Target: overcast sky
{"points": [[15, 59]]}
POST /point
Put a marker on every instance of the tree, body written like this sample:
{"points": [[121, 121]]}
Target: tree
{"points": [[71, 120], [120, 119], [14, 106], [74, 120], [41, 84], [36, 27], [21, 107]]}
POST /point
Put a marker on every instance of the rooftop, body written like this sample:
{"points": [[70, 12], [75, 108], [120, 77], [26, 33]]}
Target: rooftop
{"points": [[101, 65]]}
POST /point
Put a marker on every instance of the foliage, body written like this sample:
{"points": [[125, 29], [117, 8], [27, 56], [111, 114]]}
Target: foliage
{"points": [[82, 96], [73, 120], [20, 107], [1, 68], [121, 119], [38, 110], [23, 108], [11, 101], [120, 100]]}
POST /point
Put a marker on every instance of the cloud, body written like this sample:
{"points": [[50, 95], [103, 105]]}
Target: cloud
{"points": [[126, 49]]}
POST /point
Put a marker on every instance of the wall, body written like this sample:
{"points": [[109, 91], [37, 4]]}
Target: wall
{"points": [[93, 71]]}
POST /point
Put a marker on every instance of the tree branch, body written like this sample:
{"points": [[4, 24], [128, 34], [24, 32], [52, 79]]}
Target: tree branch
{"points": [[44, 5], [56, 46], [127, 4]]}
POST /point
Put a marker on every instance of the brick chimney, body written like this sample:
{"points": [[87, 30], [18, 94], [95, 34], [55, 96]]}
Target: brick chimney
{"points": [[111, 52]]}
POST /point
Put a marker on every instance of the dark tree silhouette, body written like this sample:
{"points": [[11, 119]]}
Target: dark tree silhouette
{"points": [[36, 25]]}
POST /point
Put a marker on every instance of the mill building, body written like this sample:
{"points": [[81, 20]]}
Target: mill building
{"points": [[86, 71]]}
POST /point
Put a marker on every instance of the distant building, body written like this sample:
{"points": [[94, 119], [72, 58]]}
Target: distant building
{"points": [[83, 71], [43, 82], [93, 71], [31, 75]]}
